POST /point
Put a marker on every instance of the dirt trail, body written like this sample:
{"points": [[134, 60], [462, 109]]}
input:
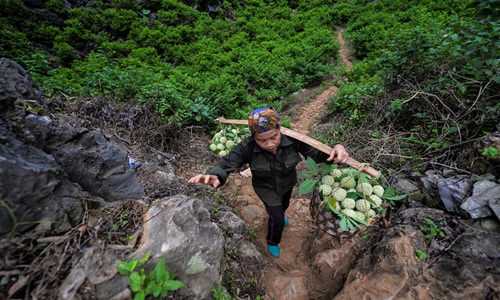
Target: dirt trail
{"points": [[288, 277], [312, 110]]}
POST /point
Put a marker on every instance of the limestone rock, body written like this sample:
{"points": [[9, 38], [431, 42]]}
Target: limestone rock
{"points": [[35, 189], [180, 231]]}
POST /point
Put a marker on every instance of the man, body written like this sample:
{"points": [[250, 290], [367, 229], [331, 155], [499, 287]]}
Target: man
{"points": [[273, 158]]}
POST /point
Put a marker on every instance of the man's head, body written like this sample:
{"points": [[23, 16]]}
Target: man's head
{"points": [[263, 119]]}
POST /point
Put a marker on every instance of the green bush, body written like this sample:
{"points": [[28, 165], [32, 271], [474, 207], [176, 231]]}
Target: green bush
{"points": [[175, 13], [14, 45], [118, 21], [14, 9], [119, 49], [180, 58], [75, 34], [46, 34], [125, 4], [65, 52], [58, 6], [158, 282]]}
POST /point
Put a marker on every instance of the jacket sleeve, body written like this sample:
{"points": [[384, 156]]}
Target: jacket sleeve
{"points": [[232, 162]]}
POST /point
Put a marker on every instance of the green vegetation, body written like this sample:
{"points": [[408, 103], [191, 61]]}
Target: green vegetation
{"points": [[221, 294], [432, 230], [190, 64], [158, 283], [492, 152], [427, 69], [425, 80], [421, 254]]}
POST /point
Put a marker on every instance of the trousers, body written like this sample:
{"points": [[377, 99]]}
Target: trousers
{"points": [[276, 221]]}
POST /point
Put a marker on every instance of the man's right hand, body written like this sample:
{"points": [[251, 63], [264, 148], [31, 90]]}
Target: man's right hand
{"points": [[205, 179]]}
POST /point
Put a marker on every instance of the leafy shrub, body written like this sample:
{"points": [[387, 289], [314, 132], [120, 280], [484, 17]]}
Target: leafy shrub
{"points": [[175, 13], [58, 6], [118, 21], [125, 4], [157, 283], [14, 45], [355, 99], [118, 49], [14, 9], [38, 66], [65, 52], [75, 34], [46, 34]]}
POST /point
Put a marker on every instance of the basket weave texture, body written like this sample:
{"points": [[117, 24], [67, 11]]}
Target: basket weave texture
{"points": [[329, 222]]}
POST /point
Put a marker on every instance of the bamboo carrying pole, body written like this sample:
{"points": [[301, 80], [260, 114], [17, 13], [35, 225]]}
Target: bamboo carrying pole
{"points": [[313, 142]]}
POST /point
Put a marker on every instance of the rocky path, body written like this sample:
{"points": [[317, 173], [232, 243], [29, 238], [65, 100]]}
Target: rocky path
{"points": [[290, 276]]}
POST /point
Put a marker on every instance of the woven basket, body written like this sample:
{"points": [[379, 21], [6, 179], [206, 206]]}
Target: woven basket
{"points": [[329, 222]]}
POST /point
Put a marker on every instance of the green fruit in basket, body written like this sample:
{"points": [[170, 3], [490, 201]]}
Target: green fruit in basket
{"points": [[348, 203], [371, 213], [328, 179], [376, 199], [378, 190], [336, 173], [344, 171], [364, 188], [213, 147], [349, 212], [221, 147], [362, 205], [360, 215], [222, 153], [339, 194], [230, 144], [218, 135], [325, 189], [348, 182], [223, 140]]}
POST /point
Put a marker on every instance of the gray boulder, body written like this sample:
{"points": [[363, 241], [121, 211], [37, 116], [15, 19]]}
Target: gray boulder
{"points": [[179, 230], [15, 83], [47, 160], [484, 201], [35, 192], [96, 160]]}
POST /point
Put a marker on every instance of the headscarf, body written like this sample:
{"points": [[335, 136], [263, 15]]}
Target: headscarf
{"points": [[263, 119]]}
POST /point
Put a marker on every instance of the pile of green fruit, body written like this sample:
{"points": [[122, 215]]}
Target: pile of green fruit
{"points": [[354, 197], [227, 138]]}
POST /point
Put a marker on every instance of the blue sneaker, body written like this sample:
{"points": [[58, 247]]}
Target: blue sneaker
{"points": [[274, 250], [286, 222]]}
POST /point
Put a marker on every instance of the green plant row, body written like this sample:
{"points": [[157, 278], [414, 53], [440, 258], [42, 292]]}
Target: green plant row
{"points": [[190, 63]]}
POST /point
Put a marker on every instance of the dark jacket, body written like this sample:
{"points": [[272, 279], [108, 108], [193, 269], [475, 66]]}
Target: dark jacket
{"points": [[272, 176]]}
